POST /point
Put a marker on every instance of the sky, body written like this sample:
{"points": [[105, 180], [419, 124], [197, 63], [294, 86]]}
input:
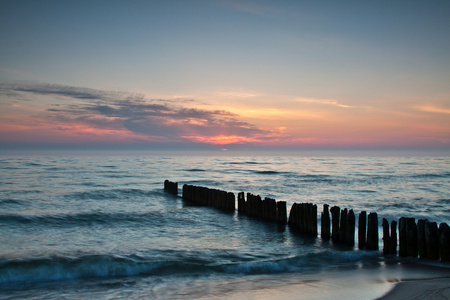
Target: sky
{"points": [[225, 74]]}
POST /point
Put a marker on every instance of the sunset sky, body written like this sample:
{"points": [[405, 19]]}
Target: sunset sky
{"points": [[225, 74]]}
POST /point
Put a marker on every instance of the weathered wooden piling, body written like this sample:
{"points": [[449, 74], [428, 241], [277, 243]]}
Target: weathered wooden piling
{"points": [[343, 225], [389, 237], [424, 238], [314, 219], [209, 197], [411, 237], [303, 218], [362, 223], [444, 242], [294, 215], [241, 202], [325, 223], [335, 213], [421, 241], [432, 240], [269, 209], [350, 231], [402, 245], [408, 237], [281, 212], [171, 187], [372, 232], [393, 242], [386, 237]]}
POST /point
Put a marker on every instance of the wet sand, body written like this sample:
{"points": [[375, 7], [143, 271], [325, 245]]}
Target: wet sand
{"points": [[435, 289]]}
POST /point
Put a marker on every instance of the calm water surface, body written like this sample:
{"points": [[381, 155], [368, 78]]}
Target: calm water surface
{"points": [[99, 225]]}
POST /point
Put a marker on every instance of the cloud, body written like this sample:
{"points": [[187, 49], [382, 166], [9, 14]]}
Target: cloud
{"points": [[332, 102], [236, 94], [167, 119], [432, 108]]}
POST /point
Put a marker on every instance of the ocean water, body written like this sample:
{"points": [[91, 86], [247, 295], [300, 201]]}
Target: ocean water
{"points": [[99, 225]]}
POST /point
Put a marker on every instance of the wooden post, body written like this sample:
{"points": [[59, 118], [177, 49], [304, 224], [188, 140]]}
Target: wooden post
{"points": [[302, 217], [421, 241], [432, 239], [393, 242], [171, 187], [362, 230], [372, 232], [411, 237], [350, 232], [402, 246], [281, 212], [343, 225], [241, 202], [335, 213], [231, 201], [444, 242], [314, 220], [293, 215], [386, 237], [325, 223]]}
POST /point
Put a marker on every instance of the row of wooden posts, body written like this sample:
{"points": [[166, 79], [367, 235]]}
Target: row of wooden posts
{"points": [[209, 197], [424, 239]]}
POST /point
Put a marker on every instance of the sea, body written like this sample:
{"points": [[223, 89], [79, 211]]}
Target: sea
{"points": [[99, 225]]}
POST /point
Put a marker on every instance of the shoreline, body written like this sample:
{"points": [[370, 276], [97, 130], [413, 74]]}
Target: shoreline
{"points": [[432, 288]]}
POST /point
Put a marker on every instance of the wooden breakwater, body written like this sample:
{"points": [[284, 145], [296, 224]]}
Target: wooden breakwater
{"points": [[204, 196], [266, 209], [423, 239]]}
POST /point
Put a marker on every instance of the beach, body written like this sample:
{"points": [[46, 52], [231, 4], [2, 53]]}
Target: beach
{"points": [[435, 288]]}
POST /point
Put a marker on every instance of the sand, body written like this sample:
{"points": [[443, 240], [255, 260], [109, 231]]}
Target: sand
{"points": [[435, 289]]}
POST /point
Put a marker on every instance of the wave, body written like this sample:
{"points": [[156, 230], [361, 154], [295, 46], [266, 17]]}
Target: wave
{"points": [[310, 261], [109, 194], [268, 172], [246, 163], [195, 170], [85, 219], [64, 268], [431, 175], [9, 201]]}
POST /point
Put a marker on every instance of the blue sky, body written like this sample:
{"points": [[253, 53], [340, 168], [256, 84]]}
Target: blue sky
{"points": [[306, 73]]}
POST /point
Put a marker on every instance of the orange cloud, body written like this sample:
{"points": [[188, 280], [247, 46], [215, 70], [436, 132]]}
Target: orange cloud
{"points": [[432, 108], [332, 102], [221, 139]]}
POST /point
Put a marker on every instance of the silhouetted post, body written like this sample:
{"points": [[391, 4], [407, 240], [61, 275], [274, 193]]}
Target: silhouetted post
{"points": [[254, 205], [325, 223], [372, 232], [411, 237], [432, 239], [281, 212], [231, 201], [444, 242], [171, 187], [350, 232], [421, 241], [241, 202], [335, 213], [402, 246], [314, 220], [393, 242], [271, 209], [293, 215], [386, 237], [302, 217], [343, 225], [362, 230]]}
